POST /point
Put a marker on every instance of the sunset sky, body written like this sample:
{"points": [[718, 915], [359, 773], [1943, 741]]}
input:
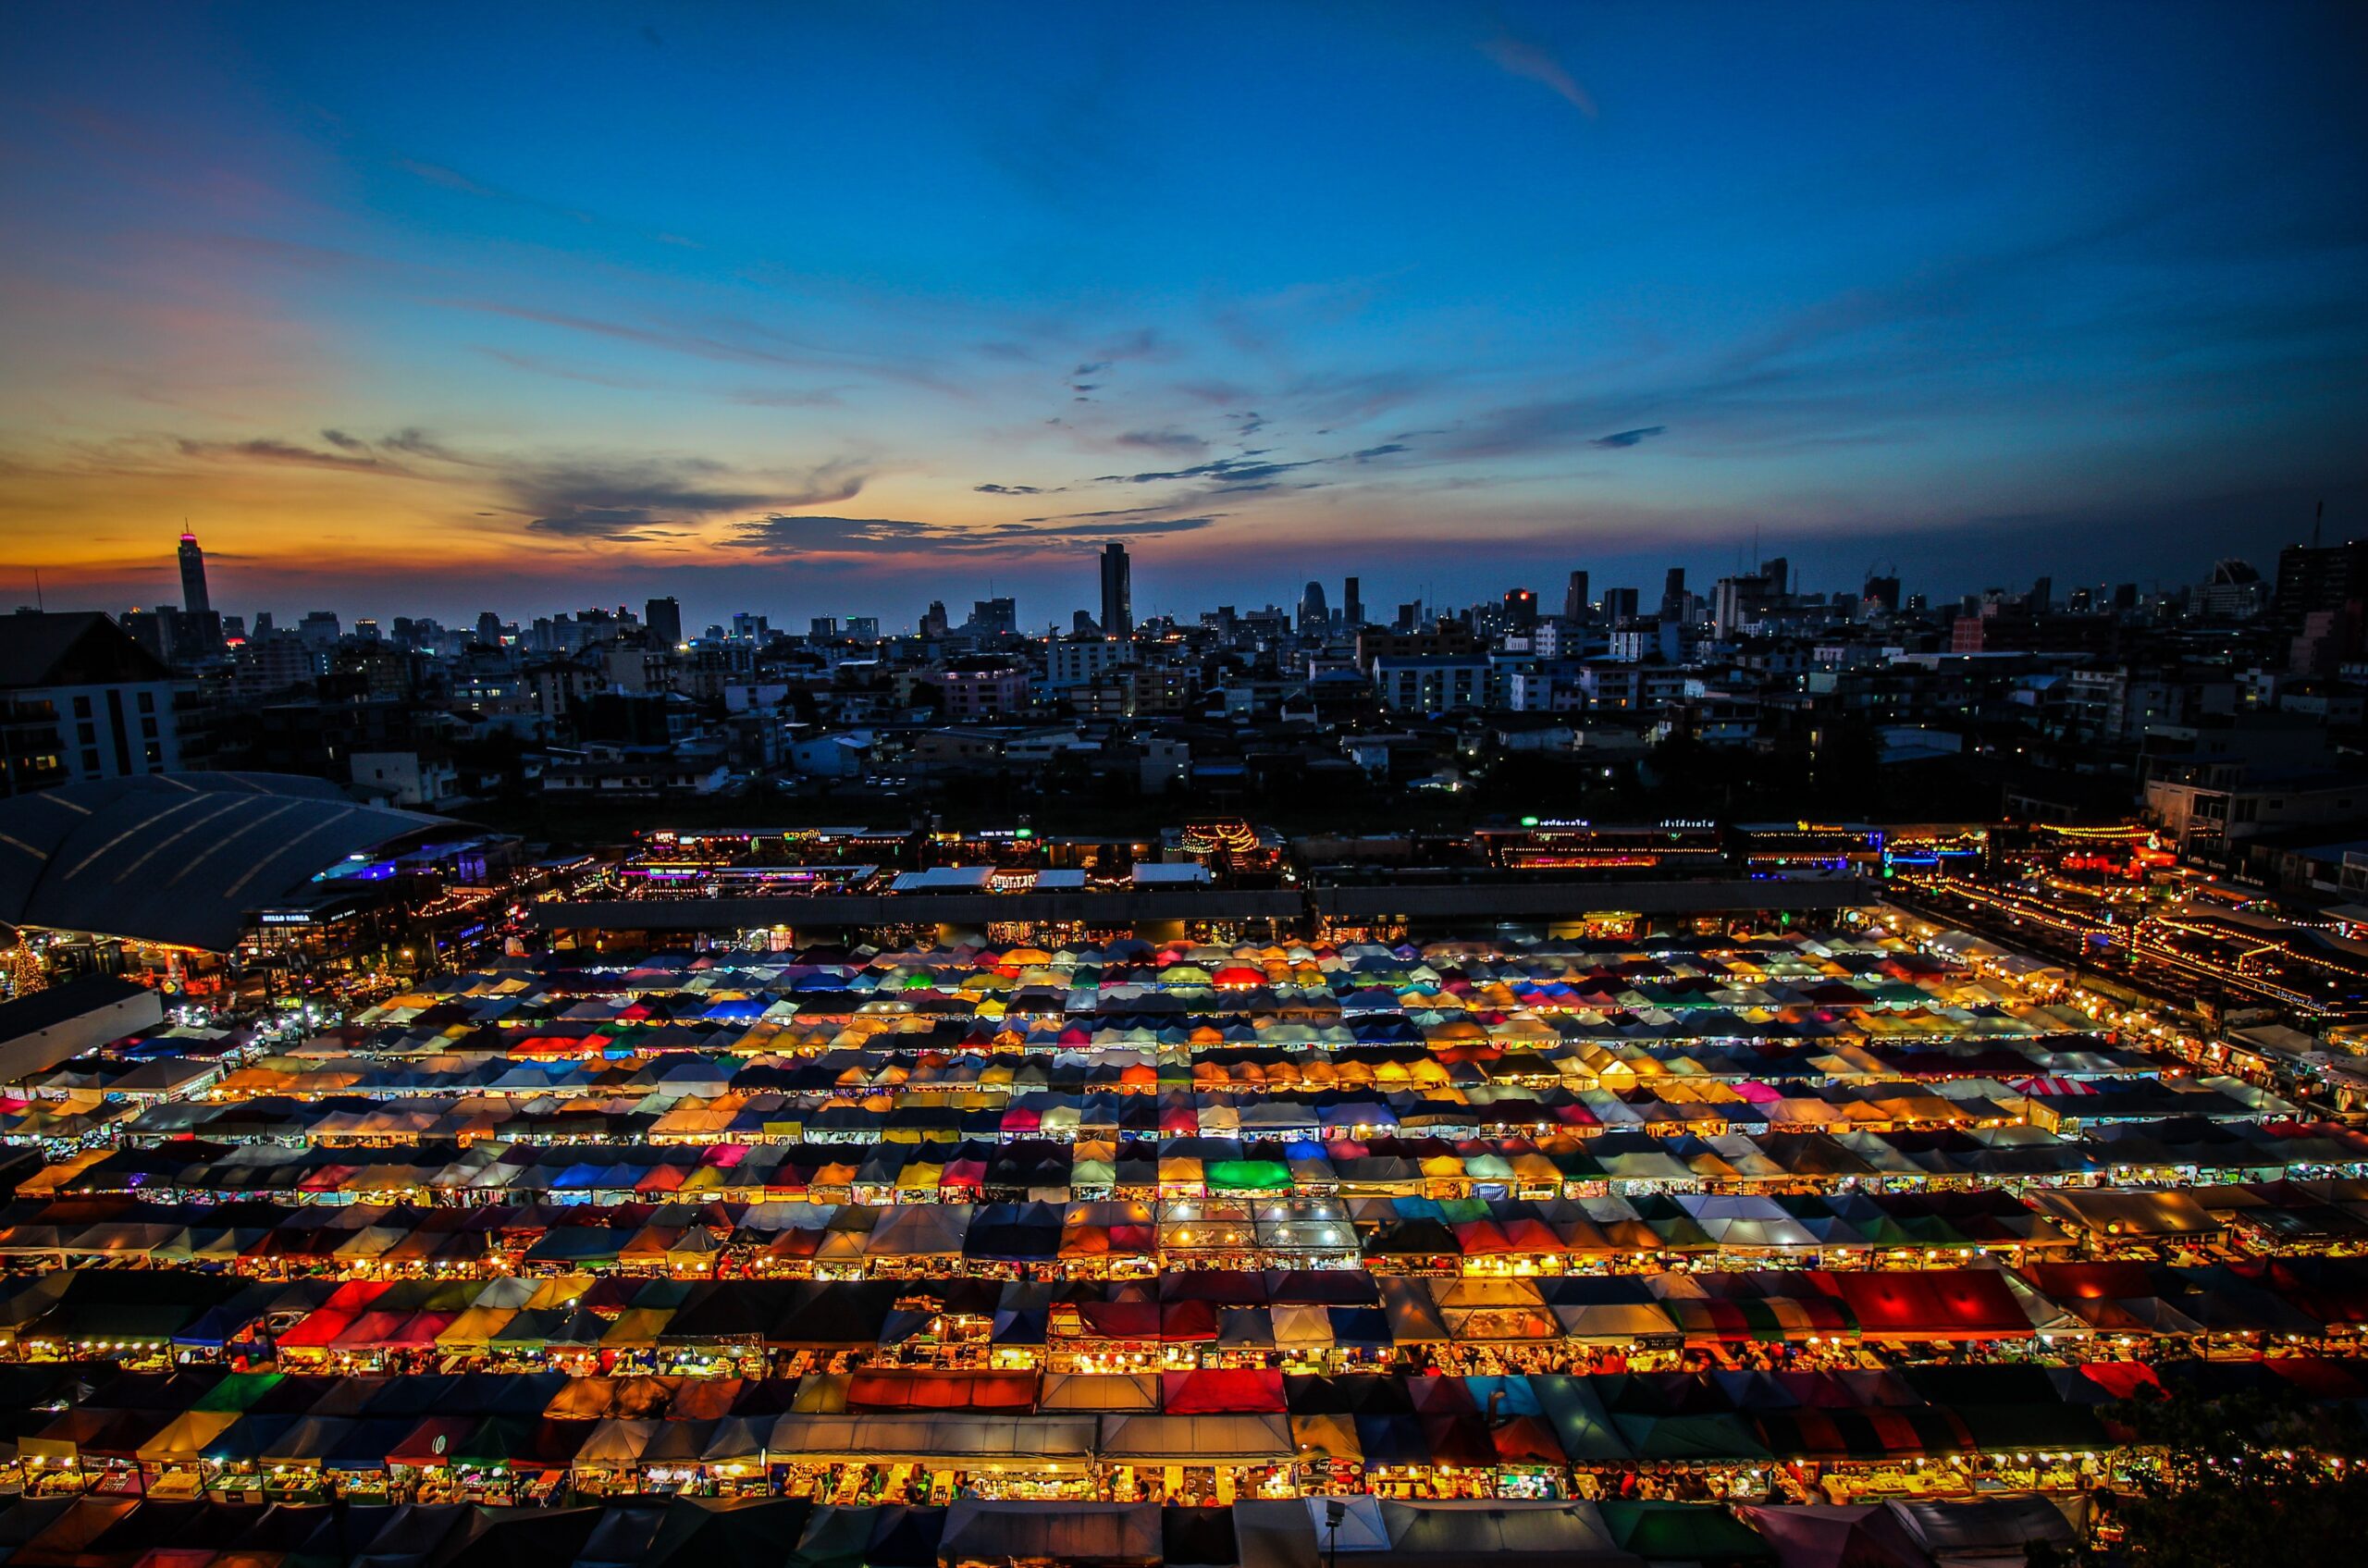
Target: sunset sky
{"points": [[842, 308]]}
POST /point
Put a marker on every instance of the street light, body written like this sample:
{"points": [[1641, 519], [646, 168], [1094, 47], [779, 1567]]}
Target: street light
{"points": [[1335, 1510]]}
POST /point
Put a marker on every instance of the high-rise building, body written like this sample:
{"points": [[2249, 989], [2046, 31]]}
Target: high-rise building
{"points": [[1619, 604], [664, 619], [194, 599], [1313, 616], [1574, 597], [1674, 603], [822, 628], [1117, 592], [1881, 593], [81, 699], [995, 617], [1353, 604]]}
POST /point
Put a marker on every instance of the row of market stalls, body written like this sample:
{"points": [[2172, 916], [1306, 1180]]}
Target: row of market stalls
{"points": [[1084, 1239], [1216, 1437], [919, 1167], [681, 1532], [1282, 1321], [697, 1108], [1090, 1239]]}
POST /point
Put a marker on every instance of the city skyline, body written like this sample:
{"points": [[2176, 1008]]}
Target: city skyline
{"points": [[849, 311]]}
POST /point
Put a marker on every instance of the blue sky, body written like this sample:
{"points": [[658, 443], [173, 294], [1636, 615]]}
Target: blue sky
{"points": [[845, 308]]}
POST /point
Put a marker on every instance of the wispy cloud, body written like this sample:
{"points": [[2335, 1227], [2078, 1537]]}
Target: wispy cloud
{"points": [[812, 533], [634, 500], [1223, 470], [267, 451], [1520, 57], [1629, 437], [1168, 440]]}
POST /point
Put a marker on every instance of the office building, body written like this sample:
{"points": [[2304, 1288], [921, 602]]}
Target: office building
{"points": [[1574, 597], [664, 619], [194, 599], [82, 699], [995, 617], [1117, 592]]}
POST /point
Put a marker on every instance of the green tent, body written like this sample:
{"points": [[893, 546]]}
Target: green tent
{"points": [[1691, 1532]]}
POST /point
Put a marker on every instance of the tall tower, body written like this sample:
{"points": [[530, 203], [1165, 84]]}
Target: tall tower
{"points": [[194, 595], [1117, 592], [1352, 605]]}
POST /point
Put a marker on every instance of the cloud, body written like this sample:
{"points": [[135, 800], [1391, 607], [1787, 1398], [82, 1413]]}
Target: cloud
{"points": [[1225, 470], [1144, 527], [825, 484], [1519, 57], [1629, 437], [1014, 489], [341, 440], [1388, 449], [619, 499], [784, 397], [418, 442], [268, 451], [812, 533], [628, 526], [542, 366], [730, 341], [1169, 440]]}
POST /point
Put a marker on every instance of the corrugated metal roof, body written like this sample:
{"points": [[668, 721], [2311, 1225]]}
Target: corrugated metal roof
{"points": [[178, 857]]}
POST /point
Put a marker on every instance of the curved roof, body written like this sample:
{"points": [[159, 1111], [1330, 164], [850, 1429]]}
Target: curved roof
{"points": [[178, 857]]}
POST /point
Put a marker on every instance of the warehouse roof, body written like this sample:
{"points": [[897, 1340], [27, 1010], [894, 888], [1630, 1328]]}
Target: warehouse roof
{"points": [[178, 857]]}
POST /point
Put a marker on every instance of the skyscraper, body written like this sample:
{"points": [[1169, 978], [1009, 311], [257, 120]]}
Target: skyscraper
{"points": [[1574, 597], [1117, 592], [1353, 604], [1674, 603], [194, 600], [664, 619], [1313, 616]]}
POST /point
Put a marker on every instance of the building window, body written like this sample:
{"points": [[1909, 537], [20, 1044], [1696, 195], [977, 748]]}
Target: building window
{"points": [[147, 702], [82, 706], [90, 760]]}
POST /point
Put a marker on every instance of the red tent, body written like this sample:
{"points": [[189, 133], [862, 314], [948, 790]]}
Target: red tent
{"points": [[1222, 1391], [1948, 1304]]}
